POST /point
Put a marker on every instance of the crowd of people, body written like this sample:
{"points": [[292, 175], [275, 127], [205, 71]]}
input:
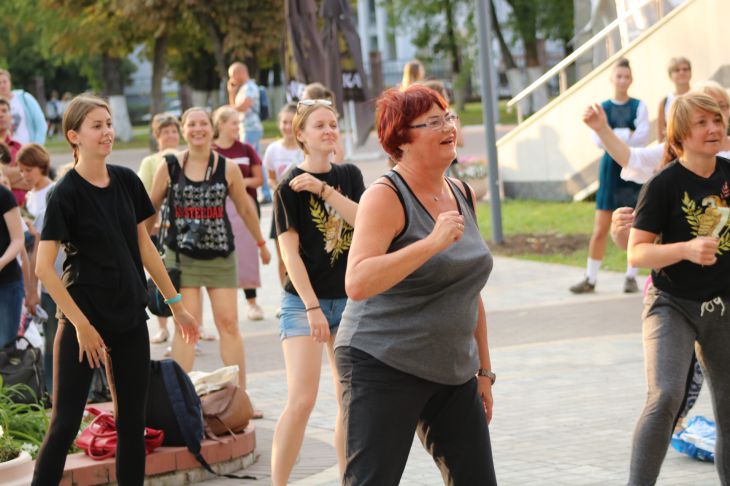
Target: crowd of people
{"points": [[376, 278]]}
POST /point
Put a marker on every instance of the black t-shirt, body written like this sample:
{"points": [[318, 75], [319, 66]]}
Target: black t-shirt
{"points": [[98, 229], [324, 237], [678, 205], [10, 272]]}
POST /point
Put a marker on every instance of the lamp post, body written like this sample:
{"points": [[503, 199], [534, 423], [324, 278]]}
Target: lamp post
{"points": [[485, 54]]}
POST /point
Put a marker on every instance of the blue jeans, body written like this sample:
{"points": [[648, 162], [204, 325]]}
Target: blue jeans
{"points": [[11, 305], [293, 321]]}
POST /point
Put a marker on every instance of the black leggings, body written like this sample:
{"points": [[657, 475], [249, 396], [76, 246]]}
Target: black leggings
{"points": [[130, 354], [383, 407]]}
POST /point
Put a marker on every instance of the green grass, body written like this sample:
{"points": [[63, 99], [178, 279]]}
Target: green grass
{"points": [[140, 139], [535, 217], [472, 114]]}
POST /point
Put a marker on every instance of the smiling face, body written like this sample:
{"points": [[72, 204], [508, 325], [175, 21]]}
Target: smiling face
{"points": [[319, 133], [6, 119], [707, 132], [230, 128], [95, 136], [197, 129], [168, 138], [428, 144]]}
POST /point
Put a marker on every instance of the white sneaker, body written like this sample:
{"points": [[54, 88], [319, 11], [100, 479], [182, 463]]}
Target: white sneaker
{"points": [[255, 313]]}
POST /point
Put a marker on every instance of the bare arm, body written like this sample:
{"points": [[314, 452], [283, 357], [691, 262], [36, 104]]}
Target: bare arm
{"points": [[90, 342], [644, 252], [160, 183], [245, 207], [297, 272], [595, 118], [345, 207], [256, 179], [15, 230], [484, 383], [156, 268], [370, 270]]}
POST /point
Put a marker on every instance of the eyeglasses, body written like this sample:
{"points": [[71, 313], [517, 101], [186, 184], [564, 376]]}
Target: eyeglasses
{"points": [[313, 102], [437, 123]]}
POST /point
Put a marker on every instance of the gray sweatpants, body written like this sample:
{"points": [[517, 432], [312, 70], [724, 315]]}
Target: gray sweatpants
{"points": [[670, 328]]}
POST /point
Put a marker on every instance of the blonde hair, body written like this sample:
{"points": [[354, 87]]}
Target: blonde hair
{"points": [[413, 71], [75, 115], [164, 120], [679, 124], [302, 115], [220, 116], [5, 72], [712, 88], [186, 114], [34, 155], [675, 62]]}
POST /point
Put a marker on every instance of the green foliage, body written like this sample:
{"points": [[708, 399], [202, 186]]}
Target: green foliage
{"points": [[542, 217], [23, 425], [536, 19]]}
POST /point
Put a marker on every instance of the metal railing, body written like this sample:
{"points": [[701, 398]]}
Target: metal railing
{"points": [[560, 68]]}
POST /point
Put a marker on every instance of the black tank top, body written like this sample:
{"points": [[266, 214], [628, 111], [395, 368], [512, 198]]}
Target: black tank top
{"points": [[199, 207]]}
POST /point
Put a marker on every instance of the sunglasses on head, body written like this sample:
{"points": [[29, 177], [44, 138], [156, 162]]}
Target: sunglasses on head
{"points": [[313, 102]]}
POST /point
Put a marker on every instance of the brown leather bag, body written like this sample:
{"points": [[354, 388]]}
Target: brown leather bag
{"points": [[226, 411]]}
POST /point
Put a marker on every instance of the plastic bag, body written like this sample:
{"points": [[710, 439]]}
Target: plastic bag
{"points": [[697, 440]]}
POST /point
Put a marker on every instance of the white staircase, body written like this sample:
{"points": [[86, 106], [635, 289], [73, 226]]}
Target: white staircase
{"points": [[551, 156]]}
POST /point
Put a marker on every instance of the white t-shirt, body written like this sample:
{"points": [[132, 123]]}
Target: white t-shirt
{"points": [[644, 162], [35, 203], [20, 124], [278, 158]]}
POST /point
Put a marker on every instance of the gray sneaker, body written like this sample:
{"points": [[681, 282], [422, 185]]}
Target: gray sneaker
{"points": [[583, 287], [630, 285]]}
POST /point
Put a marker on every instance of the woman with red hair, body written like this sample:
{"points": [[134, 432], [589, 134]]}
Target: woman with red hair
{"points": [[412, 347]]}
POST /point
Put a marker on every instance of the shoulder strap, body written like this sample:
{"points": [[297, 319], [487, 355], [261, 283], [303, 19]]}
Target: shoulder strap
{"points": [[391, 176]]}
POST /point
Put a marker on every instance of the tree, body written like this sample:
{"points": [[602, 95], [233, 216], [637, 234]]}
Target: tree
{"points": [[441, 27]]}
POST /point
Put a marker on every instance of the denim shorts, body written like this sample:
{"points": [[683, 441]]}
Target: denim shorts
{"points": [[293, 321]]}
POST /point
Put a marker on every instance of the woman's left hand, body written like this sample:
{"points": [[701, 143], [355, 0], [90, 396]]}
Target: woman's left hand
{"points": [[187, 323], [265, 255], [306, 182], [484, 386]]}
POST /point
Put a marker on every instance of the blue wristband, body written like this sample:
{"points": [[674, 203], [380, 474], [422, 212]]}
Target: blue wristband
{"points": [[173, 300]]}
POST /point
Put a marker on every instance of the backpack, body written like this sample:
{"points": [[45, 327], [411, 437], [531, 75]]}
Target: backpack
{"points": [[174, 407], [264, 107]]}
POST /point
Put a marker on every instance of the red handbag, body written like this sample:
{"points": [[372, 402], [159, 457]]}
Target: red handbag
{"points": [[99, 439]]}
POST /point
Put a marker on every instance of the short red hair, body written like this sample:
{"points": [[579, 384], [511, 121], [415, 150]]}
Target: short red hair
{"points": [[396, 109]]}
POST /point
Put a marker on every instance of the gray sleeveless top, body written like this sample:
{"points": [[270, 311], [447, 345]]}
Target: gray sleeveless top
{"points": [[425, 324]]}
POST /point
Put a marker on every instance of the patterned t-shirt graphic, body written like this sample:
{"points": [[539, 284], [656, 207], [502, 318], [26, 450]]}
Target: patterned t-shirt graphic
{"points": [[337, 234], [711, 218]]}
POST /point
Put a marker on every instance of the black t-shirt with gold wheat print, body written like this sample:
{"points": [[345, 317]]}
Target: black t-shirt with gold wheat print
{"points": [[324, 237], [679, 205]]}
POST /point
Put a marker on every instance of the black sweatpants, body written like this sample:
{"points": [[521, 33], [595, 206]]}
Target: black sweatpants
{"points": [[130, 354], [383, 407]]}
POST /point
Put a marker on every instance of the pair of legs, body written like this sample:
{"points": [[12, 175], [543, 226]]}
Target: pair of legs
{"points": [[303, 359], [130, 355], [671, 328], [383, 408], [223, 302]]}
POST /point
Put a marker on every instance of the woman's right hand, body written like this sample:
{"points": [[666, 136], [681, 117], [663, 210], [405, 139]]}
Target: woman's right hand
{"points": [[448, 229], [90, 344], [318, 326], [595, 117], [701, 250]]}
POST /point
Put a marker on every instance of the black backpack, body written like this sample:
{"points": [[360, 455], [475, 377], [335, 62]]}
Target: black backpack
{"points": [[174, 407]]}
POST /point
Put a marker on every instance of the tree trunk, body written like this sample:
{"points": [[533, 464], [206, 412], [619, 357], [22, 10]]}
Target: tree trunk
{"points": [[216, 39], [509, 61], [185, 92], [158, 72], [113, 79], [455, 54]]}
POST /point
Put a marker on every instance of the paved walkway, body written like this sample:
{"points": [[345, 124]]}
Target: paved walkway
{"points": [[570, 388]]}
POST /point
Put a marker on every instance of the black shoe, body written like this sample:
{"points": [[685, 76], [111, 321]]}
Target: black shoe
{"points": [[583, 287], [630, 285]]}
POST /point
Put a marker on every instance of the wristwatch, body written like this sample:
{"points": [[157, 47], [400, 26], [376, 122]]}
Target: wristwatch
{"points": [[489, 374]]}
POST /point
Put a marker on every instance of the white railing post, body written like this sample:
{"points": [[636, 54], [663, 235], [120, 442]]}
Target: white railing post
{"points": [[563, 81]]}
